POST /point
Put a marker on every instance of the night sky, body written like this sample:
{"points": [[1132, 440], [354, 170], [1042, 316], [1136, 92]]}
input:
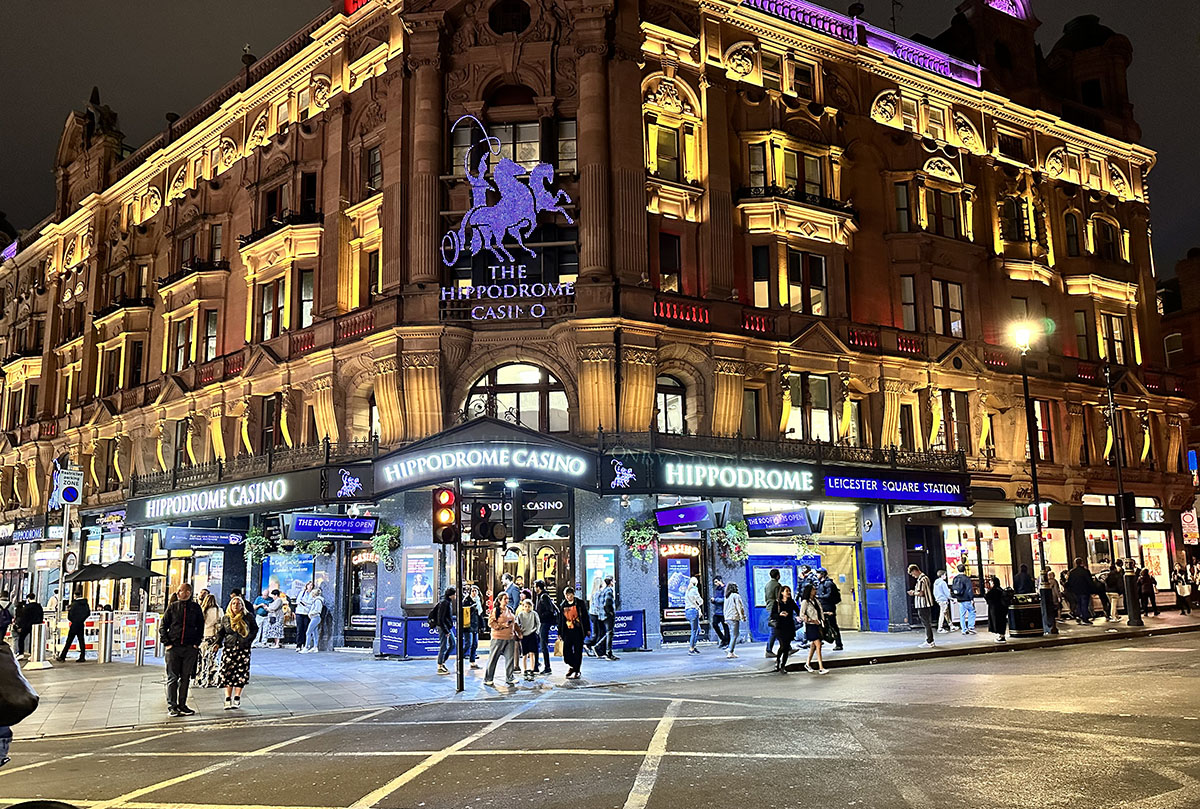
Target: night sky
{"points": [[149, 57]]}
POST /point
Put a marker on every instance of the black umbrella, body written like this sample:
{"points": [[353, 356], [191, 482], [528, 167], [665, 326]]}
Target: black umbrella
{"points": [[86, 573], [124, 570]]}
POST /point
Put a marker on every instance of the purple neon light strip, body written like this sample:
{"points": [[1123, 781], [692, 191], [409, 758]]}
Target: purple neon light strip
{"points": [[855, 31]]}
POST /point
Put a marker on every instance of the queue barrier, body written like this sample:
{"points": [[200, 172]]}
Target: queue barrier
{"points": [[108, 635]]}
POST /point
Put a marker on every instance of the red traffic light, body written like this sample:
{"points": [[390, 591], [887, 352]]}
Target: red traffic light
{"points": [[482, 512], [443, 497]]}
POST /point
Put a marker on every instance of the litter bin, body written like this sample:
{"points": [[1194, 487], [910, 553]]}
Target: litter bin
{"points": [[1025, 615]]}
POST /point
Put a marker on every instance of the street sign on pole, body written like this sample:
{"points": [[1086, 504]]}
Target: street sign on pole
{"points": [[70, 486], [1027, 525]]}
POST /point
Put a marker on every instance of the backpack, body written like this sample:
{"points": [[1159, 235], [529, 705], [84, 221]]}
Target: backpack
{"points": [[835, 595], [435, 616]]}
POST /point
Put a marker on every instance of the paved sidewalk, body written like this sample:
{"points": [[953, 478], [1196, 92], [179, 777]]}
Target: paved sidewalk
{"points": [[82, 697]]}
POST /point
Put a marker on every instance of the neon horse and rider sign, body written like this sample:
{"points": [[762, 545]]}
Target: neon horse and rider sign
{"points": [[505, 202]]}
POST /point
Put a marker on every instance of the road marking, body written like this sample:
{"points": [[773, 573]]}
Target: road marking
{"points": [[375, 796], [144, 739], [121, 800], [647, 775], [1153, 649], [36, 764]]}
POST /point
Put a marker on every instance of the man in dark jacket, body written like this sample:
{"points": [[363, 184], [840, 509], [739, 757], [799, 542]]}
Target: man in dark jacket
{"points": [[1080, 583], [77, 615], [572, 629], [1114, 589], [548, 615], [1023, 582], [442, 620], [180, 631], [607, 609], [29, 616], [964, 593], [829, 596], [718, 612]]}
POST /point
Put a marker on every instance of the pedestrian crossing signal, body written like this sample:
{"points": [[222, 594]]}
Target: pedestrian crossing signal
{"points": [[446, 528]]}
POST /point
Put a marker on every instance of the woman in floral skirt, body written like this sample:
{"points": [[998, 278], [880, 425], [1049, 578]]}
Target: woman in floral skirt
{"points": [[235, 636], [207, 676]]}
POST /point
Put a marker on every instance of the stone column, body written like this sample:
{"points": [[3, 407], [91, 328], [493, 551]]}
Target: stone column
{"points": [[216, 431], [395, 189], [423, 393], [425, 64], [638, 375], [597, 392], [387, 400], [716, 273], [729, 382], [592, 145], [629, 231], [322, 395]]}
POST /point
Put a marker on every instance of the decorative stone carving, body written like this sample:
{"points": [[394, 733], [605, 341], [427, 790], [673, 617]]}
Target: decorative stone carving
{"points": [[966, 131], [258, 133], [229, 153], [387, 365], [178, 184], [886, 105], [421, 359], [1120, 186], [666, 96], [320, 90], [941, 167], [740, 58], [372, 118], [69, 252], [151, 203], [730, 367], [597, 353], [639, 356], [1054, 165]]}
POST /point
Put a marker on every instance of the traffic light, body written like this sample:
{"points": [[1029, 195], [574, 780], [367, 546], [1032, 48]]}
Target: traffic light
{"points": [[446, 528], [483, 528]]}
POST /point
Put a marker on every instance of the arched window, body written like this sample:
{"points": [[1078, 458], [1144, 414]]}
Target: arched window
{"points": [[527, 394], [373, 419], [1012, 220], [1106, 241], [670, 401], [1071, 225]]}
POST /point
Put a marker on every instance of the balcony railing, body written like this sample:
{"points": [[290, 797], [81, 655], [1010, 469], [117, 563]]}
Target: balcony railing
{"points": [[683, 310], [23, 353], [795, 195], [277, 223], [122, 303], [191, 268]]}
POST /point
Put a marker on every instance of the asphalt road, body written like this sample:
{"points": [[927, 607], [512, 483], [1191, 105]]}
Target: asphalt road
{"points": [[1102, 725]]}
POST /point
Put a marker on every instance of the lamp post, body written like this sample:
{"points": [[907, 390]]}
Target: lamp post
{"points": [[1022, 336], [1132, 610]]}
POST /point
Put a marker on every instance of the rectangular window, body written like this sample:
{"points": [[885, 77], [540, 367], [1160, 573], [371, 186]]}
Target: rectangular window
{"points": [[181, 435], [935, 124], [270, 298], [770, 70], [210, 334], [1012, 146], [372, 276], [270, 415], [460, 149], [137, 359], [1045, 439], [813, 185], [281, 115], [908, 114], [1085, 447], [1020, 308], [31, 403], [303, 103], [1114, 338], [568, 160], [308, 192], [187, 250], [904, 220], [112, 371], [954, 433], [908, 302], [143, 281], [373, 169], [1083, 343], [1093, 172], [820, 409], [182, 346], [943, 212], [760, 259], [1091, 93], [908, 434], [758, 165], [808, 285], [1173, 345], [307, 297], [1071, 227], [947, 308], [750, 413], [668, 153], [854, 432], [791, 171], [216, 243], [803, 82], [670, 262], [520, 143], [273, 203], [116, 288]]}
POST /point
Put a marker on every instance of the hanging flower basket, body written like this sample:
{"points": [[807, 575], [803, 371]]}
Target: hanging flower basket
{"points": [[806, 545], [732, 542], [640, 538], [387, 540], [257, 545]]}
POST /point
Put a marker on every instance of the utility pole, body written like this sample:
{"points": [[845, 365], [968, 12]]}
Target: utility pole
{"points": [[1132, 609]]}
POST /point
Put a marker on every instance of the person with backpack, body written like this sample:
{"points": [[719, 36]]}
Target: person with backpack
{"points": [[1080, 584], [963, 591], [547, 614], [829, 596], [736, 613], [441, 619], [607, 611], [472, 605], [770, 596], [29, 616]]}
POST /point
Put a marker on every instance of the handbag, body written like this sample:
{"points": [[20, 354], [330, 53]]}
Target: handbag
{"points": [[558, 648], [17, 697]]}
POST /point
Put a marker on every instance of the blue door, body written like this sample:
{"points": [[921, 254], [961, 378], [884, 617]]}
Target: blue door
{"points": [[758, 573]]}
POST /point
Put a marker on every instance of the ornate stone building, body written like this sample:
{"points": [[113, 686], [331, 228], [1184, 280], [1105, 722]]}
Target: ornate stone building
{"points": [[775, 227]]}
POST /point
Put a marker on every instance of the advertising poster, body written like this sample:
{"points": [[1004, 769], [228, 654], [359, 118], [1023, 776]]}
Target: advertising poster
{"points": [[420, 640], [787, 578], [598, 563], [629, 631], [420, 578], [391, 638], [679, 573], [287, 573]]}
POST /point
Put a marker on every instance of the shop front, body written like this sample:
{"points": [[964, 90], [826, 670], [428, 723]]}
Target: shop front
{"points": [[43, 548], [1150, 534], [14, 568]]}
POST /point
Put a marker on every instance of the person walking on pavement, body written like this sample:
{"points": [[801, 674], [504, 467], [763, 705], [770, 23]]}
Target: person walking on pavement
{"points": [[180, 631], [1056, 595], [547, 614], [693, 608], [52, 604], [1114, 587], [8, 613], [595, 616], [828, 597], [1193, 577], [312, 634], [1182, 588], [735, 614], [275, 619], [1080, 583], [572, 629], [442, 620], [504, 641], [922, 596], [1148, 591], [31, 615], [303, 609], [770, 596], [963, 591], [608, 621], [718, 612], [529, 625], [784, 611], [1023, 582], [512, 590], [998, 602], [260, 615], [236, 637], [813, 618], [472, 610], [941, 594], [77, 614], [207, 675]]}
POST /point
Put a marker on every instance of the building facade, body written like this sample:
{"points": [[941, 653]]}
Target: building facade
{"points": [[716, 236]]}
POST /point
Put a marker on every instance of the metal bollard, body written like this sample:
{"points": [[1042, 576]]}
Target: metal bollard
{"points": [[139, 656], [37, 649], [105, 643]]}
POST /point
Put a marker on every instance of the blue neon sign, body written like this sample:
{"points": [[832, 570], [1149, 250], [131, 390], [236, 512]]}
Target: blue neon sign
{"points": [[333, 524], [915, 489], [786, 523]]}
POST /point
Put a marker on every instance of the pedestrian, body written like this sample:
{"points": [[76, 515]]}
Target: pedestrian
{"points": [[7, 613], [504, 641], [472, 609], [260, 616], [941, 594], [828, 597], [1148, 591], [1080, 584], [77, 614], [718, 612], [529, 626], [783, 616], [1179, 583], [572, 629], [180, 630], [735, 614], [512, 590], [31, 615], [922, 596], [770, 596], [1023, 582], [608, 620], [17, 701], [52, 605], [547, 618], [693, 609], [1050, 581], [1114, 589], [998, 602], [276, 615], [595, 616], [1069, 600], [207, 674], [303, 609], [1193, 577], [236, 637], [963, 590], [813, 618], [441, 619], [312, 633]]}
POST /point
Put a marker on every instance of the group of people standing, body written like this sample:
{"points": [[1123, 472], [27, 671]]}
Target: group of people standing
{"points": [[192, 633], [813, 618]]}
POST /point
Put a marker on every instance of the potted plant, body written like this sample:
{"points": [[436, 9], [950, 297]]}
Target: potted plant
{"points": [[732, 542]]}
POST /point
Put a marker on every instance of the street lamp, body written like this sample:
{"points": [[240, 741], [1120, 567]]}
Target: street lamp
{"points": [[1023, 334], [1132, 609]]}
